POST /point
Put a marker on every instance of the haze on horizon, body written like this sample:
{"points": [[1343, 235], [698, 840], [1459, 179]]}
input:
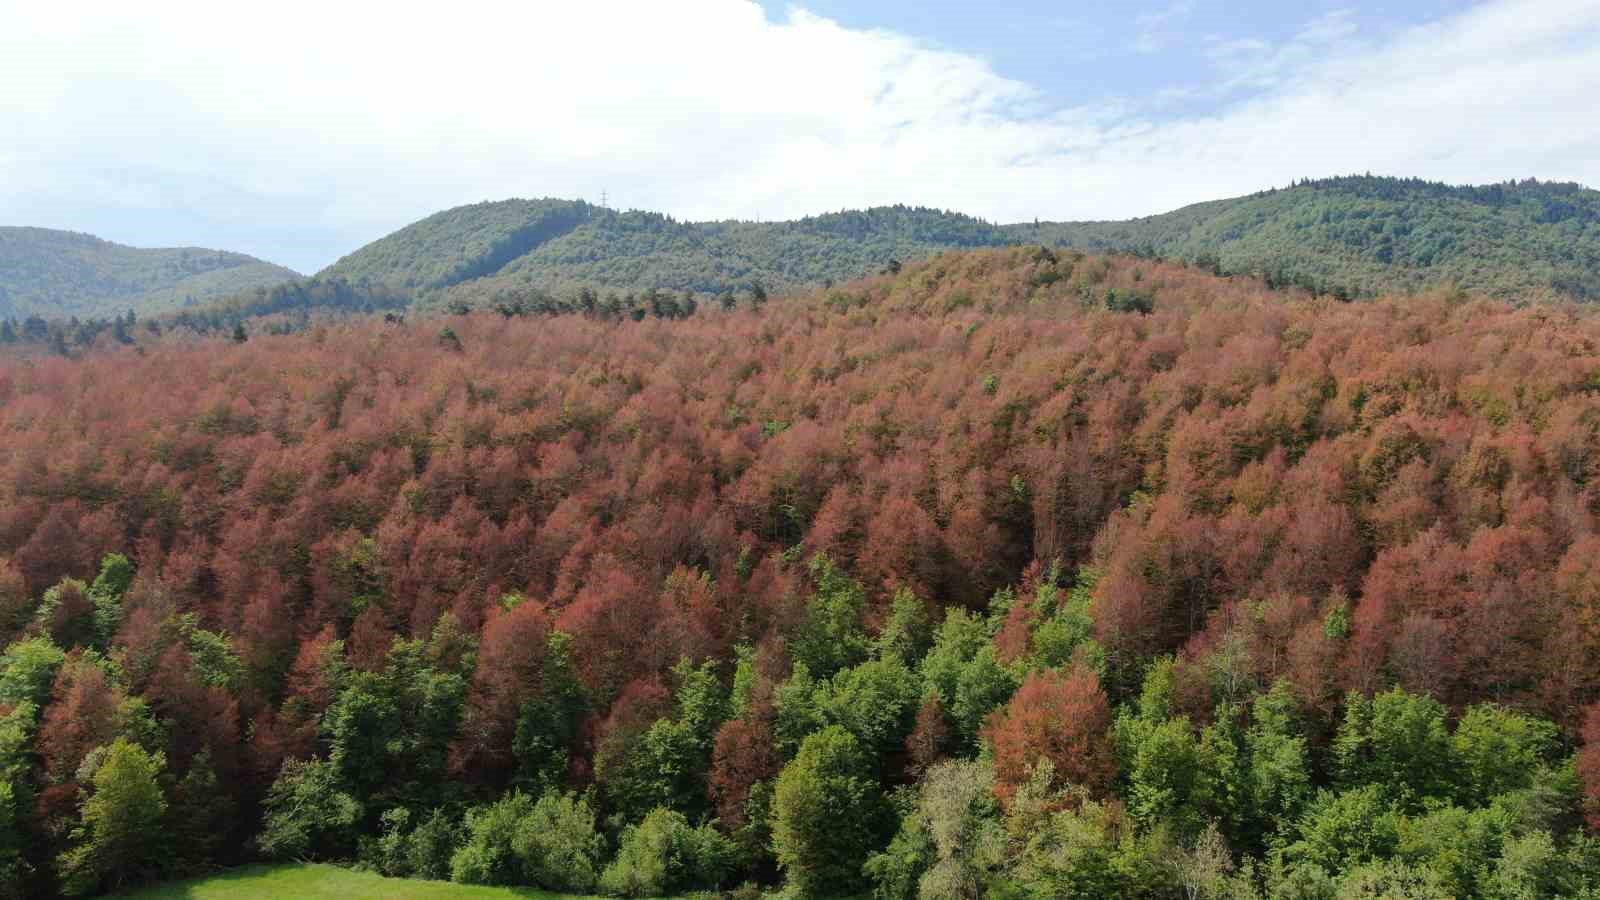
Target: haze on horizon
{"points": [[301, 135]]}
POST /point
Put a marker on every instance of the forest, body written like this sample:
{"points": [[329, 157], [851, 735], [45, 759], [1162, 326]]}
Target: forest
{"points": [[1363, 236], [1351, 237], [1010, 573], [1358, 236], [58, 274]]}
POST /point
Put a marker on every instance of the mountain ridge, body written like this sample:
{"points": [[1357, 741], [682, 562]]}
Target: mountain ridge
{"points": [[56, 273], [1349, 236]]}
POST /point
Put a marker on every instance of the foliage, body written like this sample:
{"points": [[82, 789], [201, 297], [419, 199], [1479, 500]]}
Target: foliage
{"points": [[120, 839], [1363, 235], [831, 637], [1346, 236], [390, 731], [664, 854], [827, 814], [956, 829], [1060, 716], [27, 669], [421, 849], [320, 881], [309, 814], [964, 670], [200, 818], [550, 842], [62, 273], [1333, 616], [1398, 741]]}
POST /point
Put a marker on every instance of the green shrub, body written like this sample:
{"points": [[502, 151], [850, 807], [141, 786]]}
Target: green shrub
{"points": [[551, 843], [664, 854]]}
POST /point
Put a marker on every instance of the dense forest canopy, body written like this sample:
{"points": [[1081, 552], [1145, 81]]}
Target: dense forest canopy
{"points": [[58, 274], [1014, 573]]}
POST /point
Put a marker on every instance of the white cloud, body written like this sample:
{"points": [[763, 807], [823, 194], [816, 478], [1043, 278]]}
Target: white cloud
{"points": [[315, 127]]}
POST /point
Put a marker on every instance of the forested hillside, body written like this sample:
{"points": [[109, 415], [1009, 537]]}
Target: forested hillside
{"points": [[535, 251], [1016, 573], [58, 274], [1348, 237], [1362, 236]]}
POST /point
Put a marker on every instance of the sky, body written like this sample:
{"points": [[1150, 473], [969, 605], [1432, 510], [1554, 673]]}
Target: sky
{"points": [[301, 130]]}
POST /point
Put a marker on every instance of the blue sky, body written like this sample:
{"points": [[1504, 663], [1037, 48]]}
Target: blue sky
{"points": [[302, 134], [1134, 53]]}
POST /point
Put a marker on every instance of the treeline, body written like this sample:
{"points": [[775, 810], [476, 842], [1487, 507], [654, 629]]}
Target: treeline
{"points": [[281, 309], [64, 336], [1015, 573], [295, 302]]}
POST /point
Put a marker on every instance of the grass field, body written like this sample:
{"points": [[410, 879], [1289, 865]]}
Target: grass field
{"points": [[320, 882]]}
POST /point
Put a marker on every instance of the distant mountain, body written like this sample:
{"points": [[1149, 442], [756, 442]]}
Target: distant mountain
{"points": [[56, 274], [1366, 235], [491, 251], [1354, 236]]}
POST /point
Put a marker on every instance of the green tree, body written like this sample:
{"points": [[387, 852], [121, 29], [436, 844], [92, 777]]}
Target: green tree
{"points": [[1170, 773], [120, 839], [1498, 750], [1065, 628], [1457, 845], [831, 637], [896, 872], [16, 732], [799, 711], [667, 765], [487, 855], [28, 669], [827, 814], [662, 767], [390, 731], [956, 802], [214, 659], [1398, 741], [1393, 880], [116, 576], [550, 843], [1280, 760], [1261, 776], [430, 846], [423, 851], [1345, 829], [202, 816], [908, 633], [1070, 846], [876, 701], [664, 854], [308, 813], [548, 721], [965, 670]]}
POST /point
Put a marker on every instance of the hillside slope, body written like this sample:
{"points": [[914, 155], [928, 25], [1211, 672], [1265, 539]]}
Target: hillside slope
{"points": [[56, 274], [1365, 235], [1358, 236], [488, 252], [1246, 567]]}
